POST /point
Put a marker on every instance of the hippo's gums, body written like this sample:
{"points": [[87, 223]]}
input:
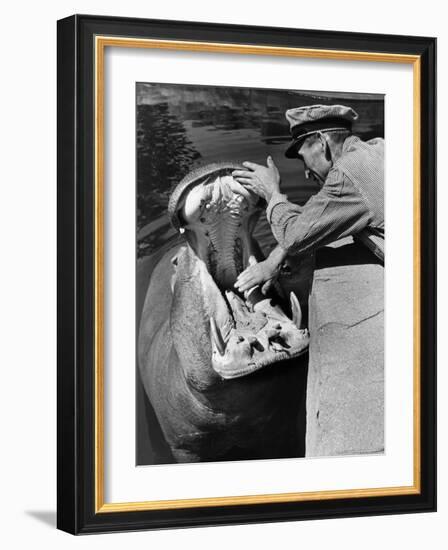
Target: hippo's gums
{"points": [[221, 370]]}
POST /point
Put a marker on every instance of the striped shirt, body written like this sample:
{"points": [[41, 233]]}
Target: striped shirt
{"points": [[350, 202]]}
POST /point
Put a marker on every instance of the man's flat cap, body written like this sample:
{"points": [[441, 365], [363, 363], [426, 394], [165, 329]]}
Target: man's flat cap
{"points": [[304, 121]]}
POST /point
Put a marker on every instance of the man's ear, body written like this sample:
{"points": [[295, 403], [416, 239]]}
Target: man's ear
{"points": [[323, 141], [325, 146]]}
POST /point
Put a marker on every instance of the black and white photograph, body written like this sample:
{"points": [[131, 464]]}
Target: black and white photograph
{"points": [[260, 245]]}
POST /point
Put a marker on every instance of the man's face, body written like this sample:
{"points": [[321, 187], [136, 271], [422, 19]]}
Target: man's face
{"points": [[313, 154]]}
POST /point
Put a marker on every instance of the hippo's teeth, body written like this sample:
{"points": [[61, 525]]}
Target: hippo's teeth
{"points": [[296, 311], [276, 346], [217, 337]]}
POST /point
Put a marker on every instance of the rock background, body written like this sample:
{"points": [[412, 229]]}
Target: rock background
{"points": [[345, 393]]}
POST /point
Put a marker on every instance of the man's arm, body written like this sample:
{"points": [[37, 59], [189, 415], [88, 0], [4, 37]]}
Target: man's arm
{"points": [[338, 210]]}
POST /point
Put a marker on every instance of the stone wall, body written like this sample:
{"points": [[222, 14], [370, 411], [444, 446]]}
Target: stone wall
{"points": [[345, 391]]}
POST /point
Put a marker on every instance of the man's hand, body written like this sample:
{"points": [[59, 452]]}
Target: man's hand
{"points": [[262, 180], [263, 273]]}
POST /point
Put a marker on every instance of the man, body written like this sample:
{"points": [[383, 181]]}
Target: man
{"points": [[350, 173]]}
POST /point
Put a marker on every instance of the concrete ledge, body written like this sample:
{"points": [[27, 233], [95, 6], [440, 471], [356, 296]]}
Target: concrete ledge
{"points": [[345, 391]]}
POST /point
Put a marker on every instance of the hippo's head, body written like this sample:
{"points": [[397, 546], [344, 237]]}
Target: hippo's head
{"points": [[217, 216]]}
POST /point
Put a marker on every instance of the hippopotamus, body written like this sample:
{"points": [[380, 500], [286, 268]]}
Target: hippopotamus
{"points": [[223, 371]]}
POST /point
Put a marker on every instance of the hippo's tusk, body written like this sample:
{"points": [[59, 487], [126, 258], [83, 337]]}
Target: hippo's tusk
{"points": [[217, 337], [296, 310]]}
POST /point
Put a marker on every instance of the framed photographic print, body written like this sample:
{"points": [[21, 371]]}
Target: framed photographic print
{"points": [[240, 338]]}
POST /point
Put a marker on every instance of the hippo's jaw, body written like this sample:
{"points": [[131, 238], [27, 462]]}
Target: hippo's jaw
{"points": [[247, 332], [219, 216], [261, 334]]}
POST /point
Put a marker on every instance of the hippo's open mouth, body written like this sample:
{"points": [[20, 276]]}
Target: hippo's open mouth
{"points": [[250, 331], [259, 335]]}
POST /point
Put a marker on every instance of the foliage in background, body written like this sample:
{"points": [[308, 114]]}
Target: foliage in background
{"points": [[165, 155]]}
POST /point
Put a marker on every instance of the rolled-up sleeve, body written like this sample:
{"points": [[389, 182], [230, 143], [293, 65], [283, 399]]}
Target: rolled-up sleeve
{"points": [[336, 211]]}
